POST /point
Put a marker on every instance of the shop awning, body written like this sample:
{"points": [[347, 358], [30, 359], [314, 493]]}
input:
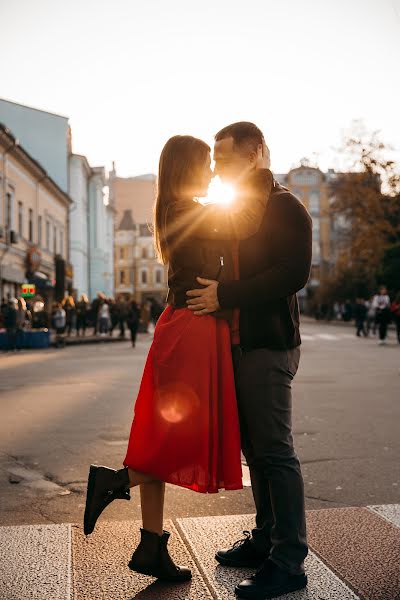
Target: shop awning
{"points": [[41, 280]]}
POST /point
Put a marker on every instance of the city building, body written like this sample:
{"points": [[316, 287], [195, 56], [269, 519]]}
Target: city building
{"points": [[312, 187], [44, 135], [91, 230], [137, 269], [101, 235], [48, 139], [34, 223]]}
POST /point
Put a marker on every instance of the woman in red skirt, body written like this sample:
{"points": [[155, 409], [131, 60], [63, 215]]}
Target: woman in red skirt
{"points": [[185, 429]]}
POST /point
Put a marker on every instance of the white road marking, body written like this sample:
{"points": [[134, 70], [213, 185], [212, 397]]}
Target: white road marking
{"points": [[390, 512]]}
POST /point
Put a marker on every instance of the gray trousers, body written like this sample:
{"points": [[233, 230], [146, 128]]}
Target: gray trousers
{"points": [[263, 386]]}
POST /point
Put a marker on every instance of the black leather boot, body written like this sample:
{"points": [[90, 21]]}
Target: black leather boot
{"points": [[151, 557], [104, 486]]}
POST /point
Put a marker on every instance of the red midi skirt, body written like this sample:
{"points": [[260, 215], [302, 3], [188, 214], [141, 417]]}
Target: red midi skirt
{"points": [[185, 428]]}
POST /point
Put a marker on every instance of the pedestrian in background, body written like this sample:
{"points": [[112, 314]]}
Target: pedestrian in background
{"points": [[145, 316], [24, 318], [100, 297], [3, 310], [347, 311], [68, 305], [132, 320], [360, 314], [381, 303], [10, 323], [104, 318], [59, 321], [121, 315], [395, 310], [40, 318], [112, 305], [336, 311], [155, 311], [82, 311], [371, 324]]}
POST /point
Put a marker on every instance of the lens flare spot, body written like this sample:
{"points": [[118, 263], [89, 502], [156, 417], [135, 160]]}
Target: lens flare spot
{"points": [[176, 402], [219, 193]]}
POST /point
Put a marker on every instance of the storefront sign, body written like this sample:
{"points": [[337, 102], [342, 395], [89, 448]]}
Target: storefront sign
{"points": [[28, 290]]}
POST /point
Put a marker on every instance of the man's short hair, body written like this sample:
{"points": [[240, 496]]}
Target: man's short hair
{"points": [[246, 136]]}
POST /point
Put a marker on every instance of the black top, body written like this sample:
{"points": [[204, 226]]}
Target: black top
{"points": [[200, 237], [274, 264]]}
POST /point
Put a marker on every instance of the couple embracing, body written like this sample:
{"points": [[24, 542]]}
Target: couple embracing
{"points": [[217, 378]]}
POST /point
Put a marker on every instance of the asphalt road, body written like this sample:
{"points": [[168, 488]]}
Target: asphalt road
{"points": [[61, 410]]}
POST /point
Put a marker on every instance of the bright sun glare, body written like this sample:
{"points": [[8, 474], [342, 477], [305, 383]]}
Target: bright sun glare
{"points": [[219, 193]]}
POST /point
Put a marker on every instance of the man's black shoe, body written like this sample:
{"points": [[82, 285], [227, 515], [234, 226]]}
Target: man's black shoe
{"points": [[270, 581], [243, 553], [104, 486]]}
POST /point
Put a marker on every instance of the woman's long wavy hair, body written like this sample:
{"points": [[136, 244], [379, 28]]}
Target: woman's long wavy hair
{"points": [[181, 163]]}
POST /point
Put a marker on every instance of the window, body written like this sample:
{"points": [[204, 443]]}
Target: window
{"points": [[316, 251], [9, 211], [20, 218], [121, 253], [305, 177], [315, 272], [314, 202], [54, 239], [159, 276], [297, 192], [39, 233], [30, 225], [122, 277], [144, 252], [315, 232], [61, 242], [48, 235], [144, 277]]}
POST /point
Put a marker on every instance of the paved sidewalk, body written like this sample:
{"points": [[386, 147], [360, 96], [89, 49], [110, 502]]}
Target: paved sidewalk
{"points": [[354, 555]]}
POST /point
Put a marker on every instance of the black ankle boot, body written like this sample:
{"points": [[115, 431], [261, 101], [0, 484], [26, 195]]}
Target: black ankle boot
{"points": [[104, 486], [151, 557]]}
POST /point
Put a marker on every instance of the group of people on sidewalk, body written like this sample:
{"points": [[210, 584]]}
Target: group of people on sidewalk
{"points": [[376, 314], [105, 314], [370, 316], [69, 317]]}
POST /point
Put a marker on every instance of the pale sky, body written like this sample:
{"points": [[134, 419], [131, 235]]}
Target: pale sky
{"points": [[131, 73]]}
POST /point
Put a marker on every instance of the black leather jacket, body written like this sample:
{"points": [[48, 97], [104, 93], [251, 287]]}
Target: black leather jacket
{"points": [[200, 237]]}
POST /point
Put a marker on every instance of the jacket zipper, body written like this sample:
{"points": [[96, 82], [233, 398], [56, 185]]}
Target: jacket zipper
{"points": [[221, 260]]}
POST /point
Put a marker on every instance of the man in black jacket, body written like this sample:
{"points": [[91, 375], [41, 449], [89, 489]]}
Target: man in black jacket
{"points": [[273, 265]]}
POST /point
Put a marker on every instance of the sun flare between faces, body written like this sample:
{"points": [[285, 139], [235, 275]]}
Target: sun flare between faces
{"points": [[219, 193]]}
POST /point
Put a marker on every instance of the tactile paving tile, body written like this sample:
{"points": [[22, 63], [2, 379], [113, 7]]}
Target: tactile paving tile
{"points": [[206, 534], [100, 568], [35, 562], [391, 512], [361, 547]]}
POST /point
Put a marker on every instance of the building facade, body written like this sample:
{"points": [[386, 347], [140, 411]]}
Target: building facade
{"points": [[92, 229], [34, 222], [137, 269], [47, 137], [312, 187], [44, 135]]}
